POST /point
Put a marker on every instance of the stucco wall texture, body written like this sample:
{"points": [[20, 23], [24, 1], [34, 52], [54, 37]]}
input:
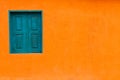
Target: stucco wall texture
{"points": [[81, 41]]}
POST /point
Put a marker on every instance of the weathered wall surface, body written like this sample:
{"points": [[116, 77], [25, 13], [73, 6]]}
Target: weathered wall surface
{"points": [[81, 41]]}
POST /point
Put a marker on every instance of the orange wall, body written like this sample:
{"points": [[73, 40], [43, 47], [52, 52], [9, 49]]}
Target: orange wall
{"points": [[81, 41]]}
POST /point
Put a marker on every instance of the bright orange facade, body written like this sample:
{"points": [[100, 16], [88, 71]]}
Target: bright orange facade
{"points": [[81, 41]]}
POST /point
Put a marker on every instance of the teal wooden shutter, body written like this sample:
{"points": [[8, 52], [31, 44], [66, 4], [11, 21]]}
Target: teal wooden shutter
{"points": [[35, 32], [25, 32]]}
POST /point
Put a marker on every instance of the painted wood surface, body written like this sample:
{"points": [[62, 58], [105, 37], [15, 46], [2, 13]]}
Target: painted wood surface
{"points": [[25, 32]]}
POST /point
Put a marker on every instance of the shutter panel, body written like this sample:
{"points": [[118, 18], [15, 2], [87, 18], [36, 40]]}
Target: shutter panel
{"points": [[18, 33], [35, 32]]}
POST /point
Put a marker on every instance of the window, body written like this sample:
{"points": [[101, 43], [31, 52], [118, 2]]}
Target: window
{"points": [[25, 31]]}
